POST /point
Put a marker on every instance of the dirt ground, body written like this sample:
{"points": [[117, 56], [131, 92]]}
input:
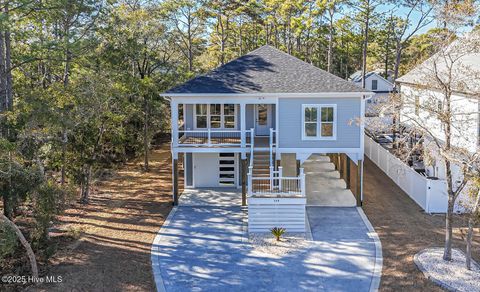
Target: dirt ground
{"points": [[118, 227], [126, 211], [404, 229]]}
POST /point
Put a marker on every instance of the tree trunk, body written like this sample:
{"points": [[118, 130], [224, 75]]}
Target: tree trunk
{"points": [[447, 120], [146, 143], [330, 42], [26, 245], [365, 47], [190, 42], [398, 58], [471, 222], [3, 81], [64, 151], [66, 81], [8, 68], [86, 184]]}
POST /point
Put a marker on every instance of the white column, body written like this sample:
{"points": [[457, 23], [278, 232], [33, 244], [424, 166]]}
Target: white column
{"points": [[174, 122], [280, 176], [243, 117], [302, 181]]}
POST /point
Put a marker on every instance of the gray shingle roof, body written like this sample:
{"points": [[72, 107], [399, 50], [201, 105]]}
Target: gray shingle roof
{"points": [[266, 70]]}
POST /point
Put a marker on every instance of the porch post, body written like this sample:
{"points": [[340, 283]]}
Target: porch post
{"points": [[174, 122], [243, 117], [347, 179], [175, 178], [359, 183], [244, 181]]}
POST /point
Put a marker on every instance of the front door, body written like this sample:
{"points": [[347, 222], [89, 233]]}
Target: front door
{"points": [[262, 119]]}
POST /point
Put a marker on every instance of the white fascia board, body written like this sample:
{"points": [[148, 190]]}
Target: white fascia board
{"points": [[208, 99], [320, 150], [266, 95]]}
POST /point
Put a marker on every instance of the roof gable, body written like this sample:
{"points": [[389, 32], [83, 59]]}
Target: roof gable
{"points": [[265, 70], [465, 67]]}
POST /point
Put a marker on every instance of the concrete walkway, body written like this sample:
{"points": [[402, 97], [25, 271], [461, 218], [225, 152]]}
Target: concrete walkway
{"points": [[211, 197], [323, 184], [205, 248]]}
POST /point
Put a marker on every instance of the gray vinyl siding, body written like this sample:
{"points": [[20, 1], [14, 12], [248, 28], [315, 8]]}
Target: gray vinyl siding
{"points": [[189, 117], [290, 123], [250, 116]]}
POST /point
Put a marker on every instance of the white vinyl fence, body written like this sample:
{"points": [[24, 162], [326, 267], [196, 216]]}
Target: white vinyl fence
{"points": [[429, 194]]}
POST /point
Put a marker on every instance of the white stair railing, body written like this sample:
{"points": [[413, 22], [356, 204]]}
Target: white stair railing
{"points": [[271, 147]]}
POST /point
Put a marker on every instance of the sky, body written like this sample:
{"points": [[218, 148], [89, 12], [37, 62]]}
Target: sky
{"points": [[387, 9]]}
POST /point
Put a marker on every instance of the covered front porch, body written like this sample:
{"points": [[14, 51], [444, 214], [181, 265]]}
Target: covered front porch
{"points": [[216, 122]]}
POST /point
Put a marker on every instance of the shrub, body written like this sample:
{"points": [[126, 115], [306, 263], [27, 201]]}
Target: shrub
{"points": [[278, 232], [8, 240], [49, 200]]}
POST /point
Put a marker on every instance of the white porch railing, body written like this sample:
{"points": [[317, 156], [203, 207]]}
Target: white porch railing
{"points": [[272, 143], [277, 185], [210, 137]]}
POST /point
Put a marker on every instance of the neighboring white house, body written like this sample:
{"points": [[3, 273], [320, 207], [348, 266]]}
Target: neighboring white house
{"points": [[458, 67], [376, 83], [250, 123]]}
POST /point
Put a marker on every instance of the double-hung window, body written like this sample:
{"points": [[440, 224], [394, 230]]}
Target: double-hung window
{"points": [[215, 116], [201, 116], [229, 116], [319, 122]]}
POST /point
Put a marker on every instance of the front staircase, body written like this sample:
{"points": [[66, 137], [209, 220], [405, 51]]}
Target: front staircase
{"points": [[261, 164], [273, 200]]}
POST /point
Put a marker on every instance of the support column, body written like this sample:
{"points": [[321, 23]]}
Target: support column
{"points": [[174, 122], [244, 182], [243, 128], [175, 179], [358, 192], [339, 162], [347, 179]]}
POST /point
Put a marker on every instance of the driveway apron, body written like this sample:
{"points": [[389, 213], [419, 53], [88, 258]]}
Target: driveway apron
{"points": [[205, 248]]}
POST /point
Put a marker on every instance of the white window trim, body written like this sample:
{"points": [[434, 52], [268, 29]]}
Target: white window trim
{"points": [[319, 122], [222, 118]]}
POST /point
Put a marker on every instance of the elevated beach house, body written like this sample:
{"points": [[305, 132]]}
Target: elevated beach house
{"points": [[250, 124]]}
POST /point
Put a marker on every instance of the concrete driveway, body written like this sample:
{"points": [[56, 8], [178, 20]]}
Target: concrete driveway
{"points": [[205, 248], [324, 187]]}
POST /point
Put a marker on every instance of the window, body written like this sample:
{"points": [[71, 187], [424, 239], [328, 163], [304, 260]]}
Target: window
{"points": [[201, 116], [319, 122], [229, 116], [374, 84], [311, 121], [215, 116], [327, 122]]}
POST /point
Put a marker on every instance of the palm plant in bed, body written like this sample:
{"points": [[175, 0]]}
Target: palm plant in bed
{"points": [[278, 232]]}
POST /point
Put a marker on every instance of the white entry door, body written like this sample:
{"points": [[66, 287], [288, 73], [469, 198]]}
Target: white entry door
{"points": [[263, 117]]}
